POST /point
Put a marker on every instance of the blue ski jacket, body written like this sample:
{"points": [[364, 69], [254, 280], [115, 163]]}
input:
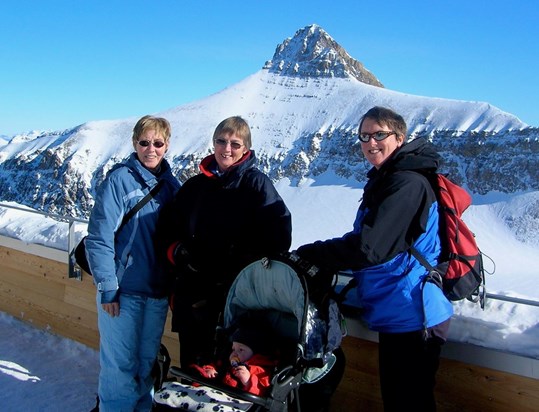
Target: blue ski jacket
{"points": [[398, 209], [125, 261]]}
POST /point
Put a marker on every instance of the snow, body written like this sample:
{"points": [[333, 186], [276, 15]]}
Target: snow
{"points": [[40, 371], [43, 372], [279, 110]]}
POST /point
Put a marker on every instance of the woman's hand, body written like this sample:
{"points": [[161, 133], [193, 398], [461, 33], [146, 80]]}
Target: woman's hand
{"points": [[113, 309]]}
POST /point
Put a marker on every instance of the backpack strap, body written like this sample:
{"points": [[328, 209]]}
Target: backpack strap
{"points": [[341, 296], [415, 253], [141, 203], [434, 276]]}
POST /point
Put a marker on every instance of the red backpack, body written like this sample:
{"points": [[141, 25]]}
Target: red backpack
{"points": [[460, 271]]}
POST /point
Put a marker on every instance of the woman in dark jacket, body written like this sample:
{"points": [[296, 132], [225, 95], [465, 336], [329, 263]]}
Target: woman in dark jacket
{"points": [[221, 220], [398, 210]]}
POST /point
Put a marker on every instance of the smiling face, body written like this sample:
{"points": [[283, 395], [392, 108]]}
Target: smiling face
{"points": [[377, 152], [225, 154], [151, 156]]}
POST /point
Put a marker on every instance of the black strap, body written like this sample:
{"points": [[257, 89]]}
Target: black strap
{"points": [[433, 276], [352, 283], [421, 259], [141, 204]]}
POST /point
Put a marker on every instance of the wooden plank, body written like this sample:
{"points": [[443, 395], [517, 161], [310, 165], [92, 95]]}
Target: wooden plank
{"points": [[20, 281], [463, 387], [81, 297], [361, 354], [173, 347], [33, 265], [357, 392], [460, 387], [359, 389], [56, 309], [38, 291]]}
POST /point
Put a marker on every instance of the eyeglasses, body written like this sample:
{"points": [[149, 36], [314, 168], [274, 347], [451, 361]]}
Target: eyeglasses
{"points": [[223, 142], [365, 137], [145, 143]]}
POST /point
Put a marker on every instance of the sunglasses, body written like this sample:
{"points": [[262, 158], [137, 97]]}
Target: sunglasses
{"points": [[378, 136], [145, 143], [223, 142]]}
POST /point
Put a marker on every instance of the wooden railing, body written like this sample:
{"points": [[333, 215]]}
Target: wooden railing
{"points": [[75, 271], [39, 291], [39, 285]]}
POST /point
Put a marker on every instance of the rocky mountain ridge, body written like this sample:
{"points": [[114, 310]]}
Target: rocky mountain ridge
{"points": [[313, 53], [303, 107]]}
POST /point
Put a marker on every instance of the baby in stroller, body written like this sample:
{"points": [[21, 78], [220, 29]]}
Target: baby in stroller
{"points": [[251, 362], [306, 342]]}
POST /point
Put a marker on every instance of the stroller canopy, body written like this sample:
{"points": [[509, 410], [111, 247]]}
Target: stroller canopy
{"points": [[276, 288], [266, 285]]}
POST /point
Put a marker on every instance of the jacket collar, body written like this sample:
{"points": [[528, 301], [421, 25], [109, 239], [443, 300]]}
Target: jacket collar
{"points": [[208, 166], [417, 155]]}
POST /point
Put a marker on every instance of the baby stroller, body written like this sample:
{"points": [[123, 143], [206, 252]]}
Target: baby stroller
{"points": [[308, 327]]}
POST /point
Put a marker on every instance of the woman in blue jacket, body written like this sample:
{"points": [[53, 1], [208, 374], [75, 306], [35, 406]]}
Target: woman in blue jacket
{"points": [[132, 287], [398, 210], [222, 219]]}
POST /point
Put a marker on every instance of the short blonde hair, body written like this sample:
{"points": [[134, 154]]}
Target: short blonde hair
{"points": [[234, 125], [159, 124]]}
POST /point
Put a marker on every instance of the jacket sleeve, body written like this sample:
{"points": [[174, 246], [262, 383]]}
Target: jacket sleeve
{"points": [[396, 218], [105, 218], [274, 221], [259, 382], [172, 224]]}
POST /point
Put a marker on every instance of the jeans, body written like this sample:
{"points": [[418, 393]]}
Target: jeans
{"points": [[129, 344]]}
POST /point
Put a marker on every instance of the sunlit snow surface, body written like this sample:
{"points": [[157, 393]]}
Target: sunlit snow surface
{"points": [[327, 210], [62, 371]]}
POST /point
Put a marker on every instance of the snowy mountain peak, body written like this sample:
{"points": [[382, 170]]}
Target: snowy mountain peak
{"points": [[313, 53], [305, 127]]}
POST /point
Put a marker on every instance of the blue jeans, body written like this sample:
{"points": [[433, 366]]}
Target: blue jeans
{"points": [[129, 344]]}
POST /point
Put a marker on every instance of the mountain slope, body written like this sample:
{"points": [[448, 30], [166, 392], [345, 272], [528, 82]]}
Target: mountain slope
{"points": [[303, 123]]}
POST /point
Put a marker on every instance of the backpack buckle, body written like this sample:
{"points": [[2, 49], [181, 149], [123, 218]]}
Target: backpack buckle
{"points": [[435, 277]]}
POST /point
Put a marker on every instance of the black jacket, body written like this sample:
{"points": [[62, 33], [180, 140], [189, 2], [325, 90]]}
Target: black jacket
{"points": [[396, 201], [225, 222]]}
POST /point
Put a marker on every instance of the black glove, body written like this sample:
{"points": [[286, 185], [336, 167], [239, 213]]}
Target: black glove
{"points": [[179, 256], [319, 279], [300, 262]]}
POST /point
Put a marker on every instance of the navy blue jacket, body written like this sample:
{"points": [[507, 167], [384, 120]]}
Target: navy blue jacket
{"points": [[224, 222]]}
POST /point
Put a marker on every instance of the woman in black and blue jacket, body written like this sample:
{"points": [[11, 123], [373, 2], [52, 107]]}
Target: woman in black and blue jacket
{"points": [[398, 210]]}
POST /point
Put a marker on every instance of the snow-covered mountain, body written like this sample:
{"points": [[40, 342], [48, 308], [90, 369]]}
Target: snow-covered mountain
{"points": [[303, 107], [312, 53]]}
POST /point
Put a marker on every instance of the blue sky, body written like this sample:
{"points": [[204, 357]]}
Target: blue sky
{"points": [[66, 62]]}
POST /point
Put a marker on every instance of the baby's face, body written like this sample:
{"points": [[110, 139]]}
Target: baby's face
{"points": [[240, 353]]}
